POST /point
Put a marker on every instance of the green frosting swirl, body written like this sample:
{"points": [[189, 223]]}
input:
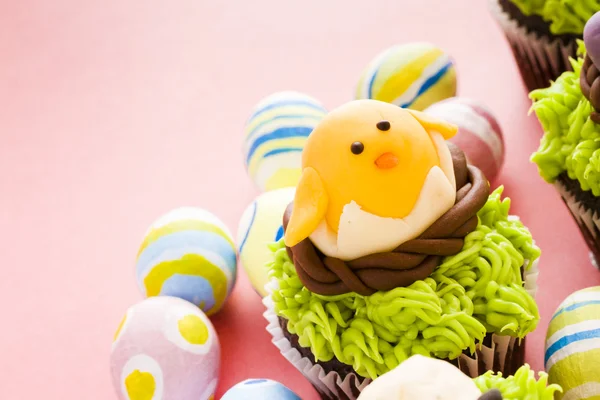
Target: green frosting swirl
{"points": [[571, 141], [564, 16], [477, 291], [520, 386]]}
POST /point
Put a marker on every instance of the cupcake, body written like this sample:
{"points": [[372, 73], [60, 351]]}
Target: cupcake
{"points": [[569, 155], [423, 258], [543, 34], [429, 379]]}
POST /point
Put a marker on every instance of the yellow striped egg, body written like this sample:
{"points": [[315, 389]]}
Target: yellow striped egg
{"points": [[572, 356], [260, 225], [188, 253], [275, 136], [412, 75]]}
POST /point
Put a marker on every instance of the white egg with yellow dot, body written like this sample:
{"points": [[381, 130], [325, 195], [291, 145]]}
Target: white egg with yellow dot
{"points": [[165, 348], [260, 225]]}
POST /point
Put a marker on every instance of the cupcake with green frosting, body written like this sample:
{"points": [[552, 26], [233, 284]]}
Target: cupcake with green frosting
{"points": [[543, 34], [429, 379], [569, 151], [424, 260]]}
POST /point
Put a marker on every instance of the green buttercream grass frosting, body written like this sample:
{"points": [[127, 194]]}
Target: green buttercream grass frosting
{"points": [[571, 141], [477, 291], [564, 16], [520, 386]]}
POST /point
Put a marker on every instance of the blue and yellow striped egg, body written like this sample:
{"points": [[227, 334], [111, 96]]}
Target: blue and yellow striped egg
{"points": [[572, 357], [260, 225], [275, 136], [260, 389], [412, 75], [188, 253]]}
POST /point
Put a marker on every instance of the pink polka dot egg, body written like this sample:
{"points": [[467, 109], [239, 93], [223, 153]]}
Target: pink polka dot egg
{"points": [[165, 348], [479, 134]]}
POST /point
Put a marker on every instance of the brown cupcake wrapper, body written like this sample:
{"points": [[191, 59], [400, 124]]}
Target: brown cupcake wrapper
{"points": [[587, 220], [540, 58]]}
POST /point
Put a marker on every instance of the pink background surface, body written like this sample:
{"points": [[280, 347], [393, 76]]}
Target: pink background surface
{"points": [[113, 112]]}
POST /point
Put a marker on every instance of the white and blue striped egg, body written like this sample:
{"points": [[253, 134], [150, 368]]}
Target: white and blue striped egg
{"points": [[260, 389], [275, 136], [188, 253], [572, 357]]}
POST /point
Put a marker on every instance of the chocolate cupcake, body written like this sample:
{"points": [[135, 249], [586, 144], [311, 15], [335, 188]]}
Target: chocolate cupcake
{"points": [[423, 258], [543, 34], [569, 152]]}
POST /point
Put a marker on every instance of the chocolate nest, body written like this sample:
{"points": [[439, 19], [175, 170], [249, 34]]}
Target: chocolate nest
{"points": [[411, 261]]}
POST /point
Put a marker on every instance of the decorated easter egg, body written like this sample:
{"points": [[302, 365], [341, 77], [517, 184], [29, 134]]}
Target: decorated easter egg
{"points": [[591, 37], [165, 348], [572, 357], [275, 136], [259, 389], [260, 225], [412, 75], [479, 134], [188, 253]]}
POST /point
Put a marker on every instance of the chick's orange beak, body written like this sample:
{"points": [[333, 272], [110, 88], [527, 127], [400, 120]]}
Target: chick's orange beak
{"points": [[386, 161]]}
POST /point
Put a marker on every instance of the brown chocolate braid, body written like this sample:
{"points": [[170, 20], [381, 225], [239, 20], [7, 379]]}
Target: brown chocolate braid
{"points": [[411, 261], [590, 86]]}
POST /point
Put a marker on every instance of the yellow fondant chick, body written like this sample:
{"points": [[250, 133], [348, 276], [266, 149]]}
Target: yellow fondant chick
{"points": [[374, 175]]}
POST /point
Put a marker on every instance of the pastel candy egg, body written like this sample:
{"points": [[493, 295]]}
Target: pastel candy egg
{"points": [[188, 253], [591, 37], [165, 348], [479, 133], [572, 356], [412, 75], [260, 225], [259, 389], [275, 136]]}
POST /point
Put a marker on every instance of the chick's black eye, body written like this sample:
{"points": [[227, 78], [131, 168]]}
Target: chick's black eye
{"points": [[357, 147]]}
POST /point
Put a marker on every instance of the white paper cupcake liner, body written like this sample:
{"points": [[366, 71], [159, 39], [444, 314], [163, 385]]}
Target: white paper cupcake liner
{"points": [[541, 59], [329, 385]]}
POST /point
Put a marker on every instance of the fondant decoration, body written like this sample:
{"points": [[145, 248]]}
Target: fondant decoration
{"points": [[413, 260], [422, 378], [399, 183]]}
